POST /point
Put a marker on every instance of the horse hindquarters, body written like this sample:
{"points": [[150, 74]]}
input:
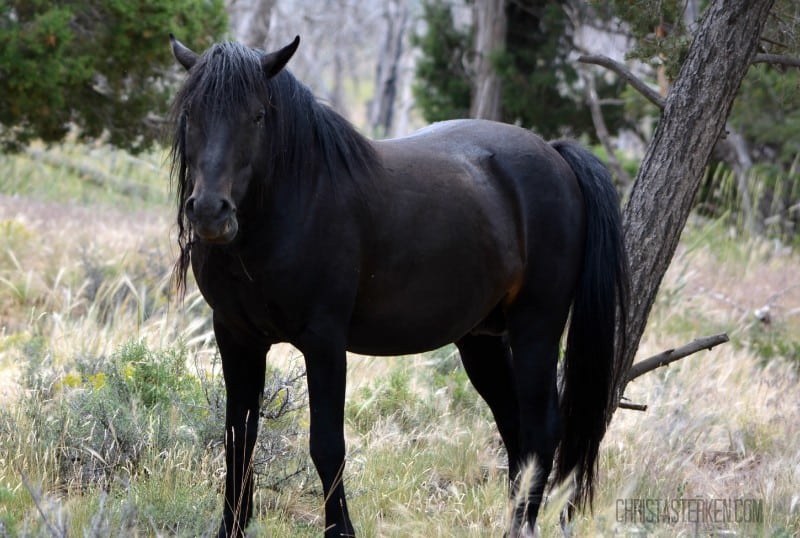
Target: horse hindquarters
{"points": [[591, 279]]}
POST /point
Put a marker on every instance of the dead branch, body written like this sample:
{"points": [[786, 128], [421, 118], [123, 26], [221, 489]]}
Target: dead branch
{"points": [[671, 355], [639, 85], [664, 358], [602, 131], [632, 406], [779, 59]]}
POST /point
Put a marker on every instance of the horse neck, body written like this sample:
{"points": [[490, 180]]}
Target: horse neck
{"points": [[318, 149]]}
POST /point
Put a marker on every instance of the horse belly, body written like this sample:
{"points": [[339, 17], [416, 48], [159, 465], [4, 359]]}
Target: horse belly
{"points": [[431, 302]]}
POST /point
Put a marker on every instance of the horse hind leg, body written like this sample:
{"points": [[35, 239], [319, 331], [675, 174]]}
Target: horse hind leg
{"points": [[534, 340], [487, 361]]}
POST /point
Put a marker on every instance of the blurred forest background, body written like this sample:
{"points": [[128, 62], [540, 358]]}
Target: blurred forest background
{"points": [[110, 391], [393, 66]]}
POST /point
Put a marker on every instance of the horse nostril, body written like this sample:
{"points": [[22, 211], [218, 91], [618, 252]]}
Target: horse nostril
{"points": [[226, 207]]}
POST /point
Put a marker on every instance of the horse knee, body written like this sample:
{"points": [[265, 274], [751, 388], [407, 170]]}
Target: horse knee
{"points": [[326, 454]]}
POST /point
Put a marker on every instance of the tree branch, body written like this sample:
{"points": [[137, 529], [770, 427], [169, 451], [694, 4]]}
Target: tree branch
{"points": [[601, 129], [666, 357], [632, 406], [671, 355], [639, 85], [779, 59]]}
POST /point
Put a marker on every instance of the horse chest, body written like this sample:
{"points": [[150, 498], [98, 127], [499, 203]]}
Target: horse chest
{"points": [[240, 294]]}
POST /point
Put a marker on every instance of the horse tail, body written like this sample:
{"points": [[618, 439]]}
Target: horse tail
{"points": [[592, 376]]}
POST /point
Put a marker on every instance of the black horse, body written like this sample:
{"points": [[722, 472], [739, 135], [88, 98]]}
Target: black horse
{"points": [[300, 230]]}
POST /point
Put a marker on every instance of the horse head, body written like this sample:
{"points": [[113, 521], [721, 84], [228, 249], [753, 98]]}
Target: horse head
{"points": [[221, 133]]}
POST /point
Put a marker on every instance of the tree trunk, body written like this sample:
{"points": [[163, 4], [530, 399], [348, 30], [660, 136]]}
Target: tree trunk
{"points": [[696, 110], [396, 14], [490, 35], [249, 20]]}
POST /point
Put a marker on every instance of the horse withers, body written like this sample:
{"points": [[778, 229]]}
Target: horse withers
{"points": [[298, 229]]}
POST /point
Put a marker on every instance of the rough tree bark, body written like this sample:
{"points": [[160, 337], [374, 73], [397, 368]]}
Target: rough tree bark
{"points": [[693, 118], [490, 34]]}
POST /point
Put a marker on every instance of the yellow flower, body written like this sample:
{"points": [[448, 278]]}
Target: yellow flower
{"points": [[97, 380], [127, 371], [69, 381]]}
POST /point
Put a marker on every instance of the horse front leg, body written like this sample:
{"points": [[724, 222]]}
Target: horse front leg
{"points": [[243, 367], [326, 366]]}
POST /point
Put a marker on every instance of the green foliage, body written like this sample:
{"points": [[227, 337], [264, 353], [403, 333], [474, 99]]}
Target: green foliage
{"points": [[772, 191], [95, 66], [771, 340], [86, 174], [151, 378], [442, 87], [767, 111], [103, 414], [415, 397], [537, 79], [628, 163], [539, 82], [450, 379], [658, 26]]}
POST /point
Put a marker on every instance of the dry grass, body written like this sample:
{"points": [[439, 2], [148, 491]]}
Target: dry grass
{"points": [[723, 424], [424, 458]]}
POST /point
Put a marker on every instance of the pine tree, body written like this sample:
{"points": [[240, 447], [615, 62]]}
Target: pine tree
{"points": [[94, 67]]}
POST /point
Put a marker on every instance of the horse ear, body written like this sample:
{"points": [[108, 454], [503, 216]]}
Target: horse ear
{"points": [[273, 62], [183, 54]]}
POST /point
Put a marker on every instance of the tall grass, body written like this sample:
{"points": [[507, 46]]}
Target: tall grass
{"points": [[764, 200], [111, 401]]}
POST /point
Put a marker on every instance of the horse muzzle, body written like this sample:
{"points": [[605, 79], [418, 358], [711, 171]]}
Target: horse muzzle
{"points": [[213, 219]]}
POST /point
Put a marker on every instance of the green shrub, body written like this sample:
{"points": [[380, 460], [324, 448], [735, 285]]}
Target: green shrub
{"points": [[99, 416], [129, 434], [772, 341]]}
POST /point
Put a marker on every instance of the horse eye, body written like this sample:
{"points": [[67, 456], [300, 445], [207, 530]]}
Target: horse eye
{"points": [[183, 122], [258, 118]]}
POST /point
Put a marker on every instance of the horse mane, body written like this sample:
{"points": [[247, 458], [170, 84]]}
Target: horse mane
{"points": [[307, 139]]}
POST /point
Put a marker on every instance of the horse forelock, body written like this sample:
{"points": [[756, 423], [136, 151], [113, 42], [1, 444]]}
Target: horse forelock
{"points": [[305, 136], [222, 82]]}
